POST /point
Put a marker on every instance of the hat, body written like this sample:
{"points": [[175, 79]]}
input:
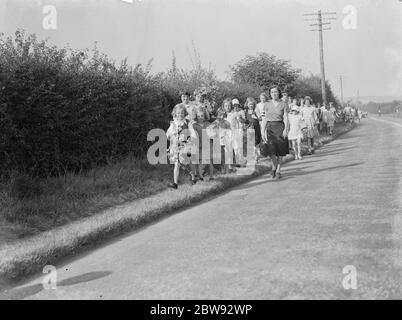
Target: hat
{"points": [[307, 98], [295, 108], [235, 101]]}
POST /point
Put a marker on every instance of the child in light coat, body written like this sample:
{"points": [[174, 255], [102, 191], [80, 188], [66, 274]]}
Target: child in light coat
{"points": [[181, 135]]}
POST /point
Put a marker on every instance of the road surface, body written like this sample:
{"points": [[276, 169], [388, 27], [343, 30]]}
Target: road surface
{"points": [[289, 239]]}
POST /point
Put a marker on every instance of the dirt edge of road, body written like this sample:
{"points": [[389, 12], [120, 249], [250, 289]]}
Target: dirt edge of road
{"points": [[28, 256]]}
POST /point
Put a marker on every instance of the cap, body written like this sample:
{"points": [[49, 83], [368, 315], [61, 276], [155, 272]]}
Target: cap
{"points": [[235, 101]]}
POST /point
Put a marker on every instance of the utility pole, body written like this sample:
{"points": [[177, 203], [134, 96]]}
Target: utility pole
{"points": [[319, 19]]}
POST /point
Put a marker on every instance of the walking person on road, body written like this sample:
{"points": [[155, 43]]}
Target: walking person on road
{"points": [[252, 125], [260, 109], [311, 119], [275, 131], [296, 127]]}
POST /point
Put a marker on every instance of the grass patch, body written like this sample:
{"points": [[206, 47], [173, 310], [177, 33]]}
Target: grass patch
{"points": [[62, 219]]}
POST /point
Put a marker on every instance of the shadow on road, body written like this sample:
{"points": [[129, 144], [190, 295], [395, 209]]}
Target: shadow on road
{"points": [[295, 173], [25, 292]]}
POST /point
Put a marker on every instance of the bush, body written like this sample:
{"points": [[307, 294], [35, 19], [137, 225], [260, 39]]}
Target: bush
{"points": [[64, 109], [23, 187]]}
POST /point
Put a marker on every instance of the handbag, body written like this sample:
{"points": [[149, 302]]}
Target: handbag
{"points": [[264, 149]]}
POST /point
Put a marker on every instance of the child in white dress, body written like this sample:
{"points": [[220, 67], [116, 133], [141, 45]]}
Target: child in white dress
{"points": [[237, 119], [296, 127]]}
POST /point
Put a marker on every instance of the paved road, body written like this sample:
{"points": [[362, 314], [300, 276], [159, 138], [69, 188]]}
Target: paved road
{"points": [[263, 240]]}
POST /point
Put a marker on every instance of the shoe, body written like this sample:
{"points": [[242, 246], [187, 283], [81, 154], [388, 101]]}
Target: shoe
{"points": [[193, 181], [273, 174], [173, 185], [211, 179], [278, 176], [300, 158]]}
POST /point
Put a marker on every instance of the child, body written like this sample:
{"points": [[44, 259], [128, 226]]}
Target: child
{"points": [[185, 101], [260, 109], [296, 127], [310, 117], [329, 119], [181, 146], [237, 120], [225, 136], [200, 125], [253, 123], [199, 103]]}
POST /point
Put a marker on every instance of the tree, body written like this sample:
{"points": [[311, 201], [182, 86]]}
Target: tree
{"points": [[264, 71], [311, 86]]}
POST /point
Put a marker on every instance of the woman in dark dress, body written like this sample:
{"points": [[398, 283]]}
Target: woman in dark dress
{"points": [[275, 131]]}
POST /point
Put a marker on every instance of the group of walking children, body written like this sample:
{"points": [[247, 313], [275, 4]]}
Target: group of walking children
{"points": [[201, 136]]}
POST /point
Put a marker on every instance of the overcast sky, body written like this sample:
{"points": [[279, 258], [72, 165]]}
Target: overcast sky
{"points": [[225, 31]]}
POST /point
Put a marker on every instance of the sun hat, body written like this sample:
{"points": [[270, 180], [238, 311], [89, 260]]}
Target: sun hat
{"points": [[295, 108]]}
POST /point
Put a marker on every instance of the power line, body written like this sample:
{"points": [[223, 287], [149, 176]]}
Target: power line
{"points": [[321, 19]]}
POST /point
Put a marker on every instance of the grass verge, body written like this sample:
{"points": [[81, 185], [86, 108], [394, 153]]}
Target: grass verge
{"points": [[23, 257]]}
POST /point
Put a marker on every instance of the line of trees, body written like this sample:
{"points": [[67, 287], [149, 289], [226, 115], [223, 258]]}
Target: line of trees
{"points": [[68, 110]]}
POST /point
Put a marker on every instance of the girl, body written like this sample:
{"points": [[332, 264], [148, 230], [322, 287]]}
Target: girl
{"points": [[199, 103], [310, 117], [225, 136], [260, 109], [185, 101], [252, 124], [296, 127], [237, 120], [181, 146], [200, 127], [329, 119]]}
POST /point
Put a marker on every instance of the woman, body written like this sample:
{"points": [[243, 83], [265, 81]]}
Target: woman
{"points": [[311, 119], [275, 131]]}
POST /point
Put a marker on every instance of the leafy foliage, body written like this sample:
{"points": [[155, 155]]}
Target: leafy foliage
{"points": [[64, 109], [264, 71], [311, 86]]}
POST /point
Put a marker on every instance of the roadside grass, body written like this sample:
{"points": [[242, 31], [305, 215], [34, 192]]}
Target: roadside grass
{"points": [[73, 196], [75, 212]]}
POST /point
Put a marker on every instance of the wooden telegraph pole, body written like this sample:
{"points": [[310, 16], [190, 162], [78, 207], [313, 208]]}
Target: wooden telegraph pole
{"points": [[318, 18]]}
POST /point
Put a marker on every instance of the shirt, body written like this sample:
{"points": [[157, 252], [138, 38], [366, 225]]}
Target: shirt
{"points": [[275, 112]]}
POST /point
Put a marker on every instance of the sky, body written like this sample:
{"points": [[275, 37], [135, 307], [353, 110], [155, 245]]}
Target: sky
{"points": [[368, 56]]}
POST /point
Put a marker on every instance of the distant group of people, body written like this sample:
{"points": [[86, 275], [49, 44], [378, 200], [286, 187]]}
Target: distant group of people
{"points": [[351, 114], [275, 125]]}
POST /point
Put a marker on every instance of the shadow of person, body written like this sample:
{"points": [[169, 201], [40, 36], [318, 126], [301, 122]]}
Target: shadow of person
{"points": [[302, 173], [25, 292], [86, 277]]}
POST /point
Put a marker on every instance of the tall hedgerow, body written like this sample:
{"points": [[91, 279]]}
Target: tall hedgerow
{"points": [[64, 109]]}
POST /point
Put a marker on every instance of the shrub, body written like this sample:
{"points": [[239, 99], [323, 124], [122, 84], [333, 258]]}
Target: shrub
{"points": [[23, 187]]}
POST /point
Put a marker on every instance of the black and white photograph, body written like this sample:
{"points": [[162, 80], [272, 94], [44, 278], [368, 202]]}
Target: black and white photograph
{"points": [[201, 156]]}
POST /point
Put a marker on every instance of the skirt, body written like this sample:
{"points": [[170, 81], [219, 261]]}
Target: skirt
{"points": [[277, 144]]}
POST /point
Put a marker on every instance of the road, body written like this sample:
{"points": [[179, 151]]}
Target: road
{"points": [[288, 239]]}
